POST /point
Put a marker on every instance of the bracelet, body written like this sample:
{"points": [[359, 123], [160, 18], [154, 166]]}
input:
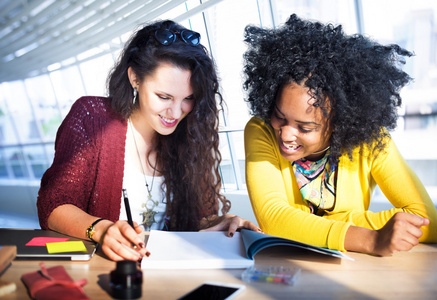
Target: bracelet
{"points": [[90, 230]]}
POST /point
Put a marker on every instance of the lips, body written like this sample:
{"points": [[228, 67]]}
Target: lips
{"points": [[290, 148], [167, 122]]}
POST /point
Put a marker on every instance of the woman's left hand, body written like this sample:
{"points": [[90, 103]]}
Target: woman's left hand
{"points": [[229, 223]]}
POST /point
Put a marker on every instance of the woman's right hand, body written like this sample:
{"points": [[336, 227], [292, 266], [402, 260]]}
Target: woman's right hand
{"points": [[116, 239], [119, 241], [400, 233]]}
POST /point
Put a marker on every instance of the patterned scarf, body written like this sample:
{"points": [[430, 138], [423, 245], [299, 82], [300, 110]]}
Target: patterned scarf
{"points": [[317, 183]]}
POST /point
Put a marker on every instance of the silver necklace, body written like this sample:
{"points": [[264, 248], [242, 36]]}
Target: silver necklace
{"points": [[149, 213]]}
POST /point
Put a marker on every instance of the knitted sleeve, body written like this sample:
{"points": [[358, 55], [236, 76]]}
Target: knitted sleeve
{"points": [[73, 175]]}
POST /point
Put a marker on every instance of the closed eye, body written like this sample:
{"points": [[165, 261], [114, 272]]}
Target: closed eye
{"points": [[303, 130], [163, 97]]}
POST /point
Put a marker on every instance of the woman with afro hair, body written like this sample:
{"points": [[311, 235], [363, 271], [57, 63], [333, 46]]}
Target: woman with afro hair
{"points": [[323, 104]]}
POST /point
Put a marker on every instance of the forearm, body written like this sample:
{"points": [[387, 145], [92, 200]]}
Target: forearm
{"points": [[401, 233], [359, 239], [71, 220]]}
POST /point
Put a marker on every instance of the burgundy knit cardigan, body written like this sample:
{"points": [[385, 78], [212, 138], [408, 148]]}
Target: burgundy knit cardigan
{"points": [[88, 166]]}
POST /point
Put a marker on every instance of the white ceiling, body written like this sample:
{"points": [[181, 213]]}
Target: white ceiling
{"points": [[35, 34]]}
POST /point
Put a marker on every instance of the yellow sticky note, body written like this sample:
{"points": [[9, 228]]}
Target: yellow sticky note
{"points": [[69, 246]]}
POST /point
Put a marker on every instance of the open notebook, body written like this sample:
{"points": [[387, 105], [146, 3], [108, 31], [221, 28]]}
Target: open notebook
{"points": [[195, 250], [35, 244], [214, 250]]}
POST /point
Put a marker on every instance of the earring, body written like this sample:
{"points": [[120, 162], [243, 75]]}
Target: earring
{"points": [[135, 96]]}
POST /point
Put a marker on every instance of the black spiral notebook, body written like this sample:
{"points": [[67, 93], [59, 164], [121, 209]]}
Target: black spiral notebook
{"points": [[31, 244]]}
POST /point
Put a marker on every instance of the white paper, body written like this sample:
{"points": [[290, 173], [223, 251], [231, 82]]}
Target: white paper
{"points": [[195, 250]]}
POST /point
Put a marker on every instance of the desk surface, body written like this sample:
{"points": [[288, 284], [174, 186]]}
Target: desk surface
{"points": [[405, 275]]}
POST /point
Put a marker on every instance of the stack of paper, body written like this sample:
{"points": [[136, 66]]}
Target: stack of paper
{"points": [[195, 250]]}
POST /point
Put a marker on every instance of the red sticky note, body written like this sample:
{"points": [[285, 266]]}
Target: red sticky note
{"points": [[42, 241]]}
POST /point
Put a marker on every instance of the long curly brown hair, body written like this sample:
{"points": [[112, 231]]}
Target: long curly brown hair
{"points": [[188, 158]]}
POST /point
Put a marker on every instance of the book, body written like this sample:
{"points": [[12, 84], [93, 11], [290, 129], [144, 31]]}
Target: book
{"points": [[7, 255], [214, 250], [256, 241], [32, 244]]}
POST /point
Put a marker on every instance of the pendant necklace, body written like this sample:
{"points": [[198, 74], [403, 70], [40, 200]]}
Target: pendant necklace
{"points": [[149, 213]]}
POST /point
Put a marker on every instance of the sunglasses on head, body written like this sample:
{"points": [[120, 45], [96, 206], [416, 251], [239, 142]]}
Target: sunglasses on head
{"points": [[167, 37]]}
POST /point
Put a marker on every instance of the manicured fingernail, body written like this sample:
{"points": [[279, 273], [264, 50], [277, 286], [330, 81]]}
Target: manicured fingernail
{"points": [[141, 244], [148, 253], [231, 234]]}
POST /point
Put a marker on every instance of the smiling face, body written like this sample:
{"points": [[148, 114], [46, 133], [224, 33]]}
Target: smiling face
{"points": [[300, 128], [165, 98]]}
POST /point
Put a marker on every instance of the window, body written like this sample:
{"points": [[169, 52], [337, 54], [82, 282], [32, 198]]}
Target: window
{"points": [[32, 108]]}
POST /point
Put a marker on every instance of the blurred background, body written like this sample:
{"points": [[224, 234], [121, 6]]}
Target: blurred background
{"points": [[54, 51]]}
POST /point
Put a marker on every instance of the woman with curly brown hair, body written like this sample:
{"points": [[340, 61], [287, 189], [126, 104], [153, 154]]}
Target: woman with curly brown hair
{"points": [[155, 137], [318, 143]]}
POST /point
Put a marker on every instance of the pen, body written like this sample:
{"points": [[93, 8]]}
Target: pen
{"points": [[126, 204], [132, 250], [131, 223]]}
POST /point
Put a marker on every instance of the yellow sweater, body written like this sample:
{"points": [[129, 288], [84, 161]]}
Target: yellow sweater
{"points": [[281, 211]]}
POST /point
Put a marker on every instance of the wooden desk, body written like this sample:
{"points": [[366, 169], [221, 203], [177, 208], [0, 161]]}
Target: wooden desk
{"points": [[405, 275]]}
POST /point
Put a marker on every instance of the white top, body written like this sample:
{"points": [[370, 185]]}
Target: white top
{"points": [[135, 185]]}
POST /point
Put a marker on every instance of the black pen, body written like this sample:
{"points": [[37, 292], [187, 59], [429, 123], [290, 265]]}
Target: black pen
{"points": [[128, 213], [129, 220]]}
